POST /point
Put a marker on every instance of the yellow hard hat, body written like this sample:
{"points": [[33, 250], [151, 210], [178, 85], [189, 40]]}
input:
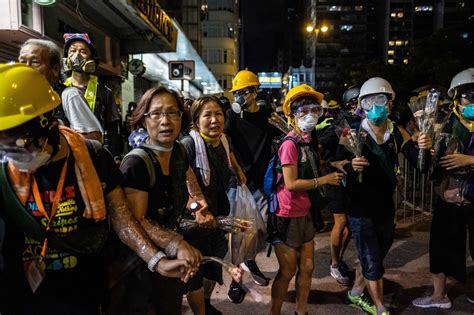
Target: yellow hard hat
{"points": [[333, 104], [244, 79], [24, 95], [298, 92]]}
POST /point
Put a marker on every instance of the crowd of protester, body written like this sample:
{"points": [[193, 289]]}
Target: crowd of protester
{"points": [[91, 225]]}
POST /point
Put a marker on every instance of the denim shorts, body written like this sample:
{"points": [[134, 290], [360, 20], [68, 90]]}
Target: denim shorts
{"points": [[373, 239]]}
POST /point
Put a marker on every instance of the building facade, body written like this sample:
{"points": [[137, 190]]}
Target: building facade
{"points": [[220, 34]]}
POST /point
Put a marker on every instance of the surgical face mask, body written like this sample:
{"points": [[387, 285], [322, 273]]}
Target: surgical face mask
{"points": [[77, 63], [377, 115], [307, 123], [467, 111]]}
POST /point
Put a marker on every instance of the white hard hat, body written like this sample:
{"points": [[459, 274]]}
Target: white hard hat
{"points": [[376, 85], [462, 78]]}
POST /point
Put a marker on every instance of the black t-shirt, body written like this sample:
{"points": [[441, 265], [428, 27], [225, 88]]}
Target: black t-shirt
{"points": [[68, 277], [251, 140]]}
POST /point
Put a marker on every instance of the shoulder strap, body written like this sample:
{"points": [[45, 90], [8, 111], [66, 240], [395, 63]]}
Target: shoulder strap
{"points": [[148, 162]]}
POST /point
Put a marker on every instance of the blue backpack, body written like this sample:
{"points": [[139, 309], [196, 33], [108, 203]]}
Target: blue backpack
{"points": [[270, 179]]}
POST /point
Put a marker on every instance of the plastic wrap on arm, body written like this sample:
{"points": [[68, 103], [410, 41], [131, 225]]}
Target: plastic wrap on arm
{"points": [[128, 229], [193, 185], [162, 237]]}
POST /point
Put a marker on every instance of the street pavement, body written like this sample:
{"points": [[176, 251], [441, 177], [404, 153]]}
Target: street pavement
{"points": [[406, 277]]}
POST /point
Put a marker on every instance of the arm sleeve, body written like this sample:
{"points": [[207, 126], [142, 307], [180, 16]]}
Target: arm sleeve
{"points": [[135, 173]]}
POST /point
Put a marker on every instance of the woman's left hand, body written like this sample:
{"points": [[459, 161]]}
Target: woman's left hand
{"points": [[205, 218], [456, 160], [242, 177]]}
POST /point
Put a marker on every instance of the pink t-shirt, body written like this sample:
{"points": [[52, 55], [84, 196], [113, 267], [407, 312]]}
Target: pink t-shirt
{"points": [[290, 204]]}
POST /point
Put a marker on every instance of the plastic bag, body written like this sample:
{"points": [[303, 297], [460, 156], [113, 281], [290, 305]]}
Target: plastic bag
{"points": [[245, 246]]}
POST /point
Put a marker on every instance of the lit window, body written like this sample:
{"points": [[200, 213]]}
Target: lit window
{"points": [[398, 43], [391, 52], [405, 61], [335, 8], [391, 43], [400, 15], [393, 14], [465, 35], [359, 7], [423, 8], [390, 61], [406, 42], [346, 28]]}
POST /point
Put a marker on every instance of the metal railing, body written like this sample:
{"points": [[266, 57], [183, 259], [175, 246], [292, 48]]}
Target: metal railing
{"points": [[415, 194]]}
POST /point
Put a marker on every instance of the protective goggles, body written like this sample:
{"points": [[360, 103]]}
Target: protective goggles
{"points": [[468, 95], [307, 109], [367, 103], [242, 93]]}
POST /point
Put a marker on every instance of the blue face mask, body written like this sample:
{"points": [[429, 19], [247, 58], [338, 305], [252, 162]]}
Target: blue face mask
{"points": [[468, 112], [378, 114]]}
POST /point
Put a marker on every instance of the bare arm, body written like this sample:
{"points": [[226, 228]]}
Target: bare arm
{"points": [[293, 183]]}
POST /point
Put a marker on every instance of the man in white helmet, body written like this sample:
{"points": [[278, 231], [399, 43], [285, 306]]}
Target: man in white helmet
{"points": [[371, 208], [453, 214]]}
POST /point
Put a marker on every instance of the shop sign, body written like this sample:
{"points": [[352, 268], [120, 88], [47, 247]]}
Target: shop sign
{"points": [[161, 24], [269, 80]]}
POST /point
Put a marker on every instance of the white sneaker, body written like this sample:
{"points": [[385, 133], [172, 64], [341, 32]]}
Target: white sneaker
{"points": [[427, 302]]}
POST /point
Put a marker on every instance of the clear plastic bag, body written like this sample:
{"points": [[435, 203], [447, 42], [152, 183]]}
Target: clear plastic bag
{"points": [[245, 246]]}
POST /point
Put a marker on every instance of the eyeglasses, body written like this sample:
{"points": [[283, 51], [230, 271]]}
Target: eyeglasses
{"points": [[310, 108], [242, 93], [369, 102], [157, 115]]}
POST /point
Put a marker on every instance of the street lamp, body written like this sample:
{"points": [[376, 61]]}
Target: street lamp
{"points": [[313, 32]]}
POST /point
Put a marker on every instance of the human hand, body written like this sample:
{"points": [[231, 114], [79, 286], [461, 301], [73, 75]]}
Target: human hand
{"points": [[242, 177], [358, 163], [190, 254], [205, 218], [340, 165], [334, 178], [456, 160], [173, 268], [424, 142]]}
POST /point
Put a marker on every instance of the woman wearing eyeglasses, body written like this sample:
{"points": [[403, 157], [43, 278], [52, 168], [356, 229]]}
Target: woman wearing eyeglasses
{"points": [[162, 200], [297, 184], [371, 208]]}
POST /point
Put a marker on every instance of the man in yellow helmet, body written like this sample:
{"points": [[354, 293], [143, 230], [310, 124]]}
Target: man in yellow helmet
{"points": [[58, 192], [251, 138]]}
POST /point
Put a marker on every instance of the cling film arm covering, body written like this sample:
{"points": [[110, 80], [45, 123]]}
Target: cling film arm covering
{"points": [[193, 185], [162, 237], [128, 229]]}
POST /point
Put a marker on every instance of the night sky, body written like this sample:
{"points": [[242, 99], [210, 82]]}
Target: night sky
{"points": [[263, 24]]}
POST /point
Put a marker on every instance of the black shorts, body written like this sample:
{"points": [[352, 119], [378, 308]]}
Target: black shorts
{"points": [[337, 200], [294, 232], [448, 237]]}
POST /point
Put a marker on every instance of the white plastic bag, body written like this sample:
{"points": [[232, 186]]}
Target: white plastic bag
{"points": [[245, 246]]}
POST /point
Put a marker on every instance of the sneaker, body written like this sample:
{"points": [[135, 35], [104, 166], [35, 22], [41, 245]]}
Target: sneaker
{"points": [[362, 303], [236, 294], [340, 275], [427, 302], [257, 276]]}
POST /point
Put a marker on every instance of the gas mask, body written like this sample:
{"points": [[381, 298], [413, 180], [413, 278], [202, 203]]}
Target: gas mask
{"points": [[307, 123], [467, 112], [77, 63], [239, 104]]}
